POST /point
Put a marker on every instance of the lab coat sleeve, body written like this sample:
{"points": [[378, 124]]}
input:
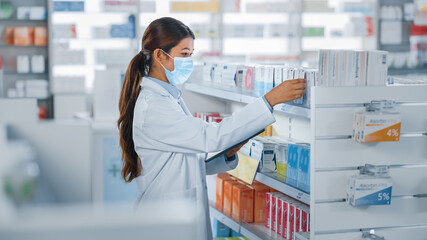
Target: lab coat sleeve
{"points": [[221, 163], [165, 127]]}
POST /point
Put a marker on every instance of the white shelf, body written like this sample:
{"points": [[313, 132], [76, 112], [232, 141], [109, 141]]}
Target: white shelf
{"points": [[234, 95], [271, 180], [253, 231]]}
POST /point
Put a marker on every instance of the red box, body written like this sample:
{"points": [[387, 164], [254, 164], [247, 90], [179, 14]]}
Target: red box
{"points": [[220, 190], [243, 203]]}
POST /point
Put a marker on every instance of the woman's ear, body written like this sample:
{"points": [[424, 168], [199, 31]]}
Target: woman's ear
{"points": [[158, 55]]}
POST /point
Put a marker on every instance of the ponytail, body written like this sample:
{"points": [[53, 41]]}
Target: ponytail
{"points": [[138, 67]]}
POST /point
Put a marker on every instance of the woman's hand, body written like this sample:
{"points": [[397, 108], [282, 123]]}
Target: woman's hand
{"points": [[286, 92], [233, 151]]}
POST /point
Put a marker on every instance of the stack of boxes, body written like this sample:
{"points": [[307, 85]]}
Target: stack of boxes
{"points": [[289, 159], [286, 216], [337, 68], [239, 200], [352, 68], [258, 203], [36, 88], [26, 36]]}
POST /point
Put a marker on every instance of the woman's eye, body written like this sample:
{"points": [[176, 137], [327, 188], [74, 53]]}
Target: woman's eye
{"points": [[185, 54]]}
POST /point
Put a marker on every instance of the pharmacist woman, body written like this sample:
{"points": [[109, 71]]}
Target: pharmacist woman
{"points": [[164, 146]]}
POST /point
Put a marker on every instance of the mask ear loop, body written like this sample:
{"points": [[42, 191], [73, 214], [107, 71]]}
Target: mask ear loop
{"points": [[167, 55]]}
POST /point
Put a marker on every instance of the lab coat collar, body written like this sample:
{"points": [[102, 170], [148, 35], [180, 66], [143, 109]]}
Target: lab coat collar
{"points": [[161, 86]]}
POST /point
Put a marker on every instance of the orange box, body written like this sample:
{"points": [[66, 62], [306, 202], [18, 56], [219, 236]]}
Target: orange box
{"points": [[259, 202], [40, 36], [220, 190], [8, 33], [228, 197], [23, 36], [243, 203]]}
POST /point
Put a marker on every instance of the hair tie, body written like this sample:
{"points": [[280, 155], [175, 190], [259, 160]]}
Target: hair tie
{"points": [[142, 54]]}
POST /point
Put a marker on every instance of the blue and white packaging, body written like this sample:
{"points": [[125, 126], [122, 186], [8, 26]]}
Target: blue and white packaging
{"points": [[259, 80], [294, 152], [263, 151], [229, 75], [207, 72], [303, 182], [217, 74], [372, 189], [268, 77], [278, 76]]}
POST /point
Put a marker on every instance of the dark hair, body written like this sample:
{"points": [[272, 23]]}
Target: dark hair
{"points": [[164, 33]]}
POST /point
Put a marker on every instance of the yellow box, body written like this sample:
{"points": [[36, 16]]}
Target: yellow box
{"points": [[211, 6]]}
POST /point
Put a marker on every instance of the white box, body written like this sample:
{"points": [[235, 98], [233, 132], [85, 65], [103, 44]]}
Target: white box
{"points": [[23, 64], [361, 58], [23, 13], [38, 64], [376, 68], [263, 151], [38, 13], [364, 190], [229, 75]]}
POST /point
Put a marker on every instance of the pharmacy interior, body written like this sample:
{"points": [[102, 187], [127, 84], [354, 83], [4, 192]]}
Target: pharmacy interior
{"points": [[347, 160]]}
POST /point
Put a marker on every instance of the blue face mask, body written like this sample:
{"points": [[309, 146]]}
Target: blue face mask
{"points": [[182, 71]]}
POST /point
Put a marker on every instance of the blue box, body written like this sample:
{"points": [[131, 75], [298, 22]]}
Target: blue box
{"points": [[68, 6], [304, 170], [219, 229], [294, 152]]}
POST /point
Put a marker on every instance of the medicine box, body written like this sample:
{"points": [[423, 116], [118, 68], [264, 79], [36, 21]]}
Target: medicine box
{"points": [[379, 127], [263, 151], [243, 203], [303, 182], [281, 156], [228, 197], [220, 190], [364, 190], [260, 191], [294, 152]]}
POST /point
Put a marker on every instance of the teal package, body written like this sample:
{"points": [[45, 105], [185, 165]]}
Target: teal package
{"points": [[219, 229], [294, 152], [304, 170]]}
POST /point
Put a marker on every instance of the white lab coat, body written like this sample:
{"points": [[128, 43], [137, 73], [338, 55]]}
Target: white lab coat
{"points": [[173, 145]]}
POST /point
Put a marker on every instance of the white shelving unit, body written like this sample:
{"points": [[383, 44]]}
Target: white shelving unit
{"points": [[235, 95], [335, 156]]}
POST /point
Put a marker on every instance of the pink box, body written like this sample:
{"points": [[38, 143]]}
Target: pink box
{"points": [[305, 213], [268, 210], [285, 219], [291, 227], [298, 214], [279, 212], [273, 212]]}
